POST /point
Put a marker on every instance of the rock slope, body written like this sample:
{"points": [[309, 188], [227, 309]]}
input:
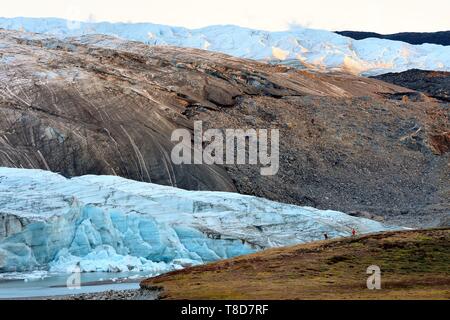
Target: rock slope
{"points": [[101, 105], [433, 83]]}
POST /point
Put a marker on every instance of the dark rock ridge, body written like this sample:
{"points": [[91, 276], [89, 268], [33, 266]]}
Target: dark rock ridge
{"points": [[439, 37], [435, 84], [100, 105]]}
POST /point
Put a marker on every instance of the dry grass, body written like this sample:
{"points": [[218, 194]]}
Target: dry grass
{"points": [[414, 265]]}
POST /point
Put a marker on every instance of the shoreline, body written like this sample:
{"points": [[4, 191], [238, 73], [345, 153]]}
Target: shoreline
{"points": [[133, 294], [109, 289], [104, 282]]}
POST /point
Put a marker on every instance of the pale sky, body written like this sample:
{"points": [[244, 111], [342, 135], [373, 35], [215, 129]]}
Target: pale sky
{"points": [[384, 16]]}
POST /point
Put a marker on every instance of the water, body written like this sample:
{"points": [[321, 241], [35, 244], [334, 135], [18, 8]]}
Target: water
{"points": [[55, 284]]}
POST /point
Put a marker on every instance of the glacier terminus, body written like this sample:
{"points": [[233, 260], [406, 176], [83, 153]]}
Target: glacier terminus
{"points": [[111, 224]]}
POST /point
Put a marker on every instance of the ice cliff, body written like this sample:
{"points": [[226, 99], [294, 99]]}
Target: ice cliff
{"points": [[300, 47], [108, 223]]}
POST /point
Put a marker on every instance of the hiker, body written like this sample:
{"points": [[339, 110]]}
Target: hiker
{"points": [[353, 232], [326, 236]]}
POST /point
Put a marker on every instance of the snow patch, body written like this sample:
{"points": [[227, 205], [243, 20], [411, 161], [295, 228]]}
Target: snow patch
{"points": [[279, 54]]}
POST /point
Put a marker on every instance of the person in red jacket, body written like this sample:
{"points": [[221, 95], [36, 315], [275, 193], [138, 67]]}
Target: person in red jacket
{"points": [[353, 232]]}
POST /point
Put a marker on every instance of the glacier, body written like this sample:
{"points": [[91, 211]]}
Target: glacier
{"points": [[300, 47], [111, 224]]}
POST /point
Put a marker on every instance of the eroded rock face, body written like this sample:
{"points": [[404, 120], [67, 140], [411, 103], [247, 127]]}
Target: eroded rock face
{"points": [[77, 110], [104, 106], [101, 105], [441, 143]]}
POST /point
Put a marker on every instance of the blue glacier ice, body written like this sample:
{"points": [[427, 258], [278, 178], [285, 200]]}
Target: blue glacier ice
{"points": [[108, 223]]}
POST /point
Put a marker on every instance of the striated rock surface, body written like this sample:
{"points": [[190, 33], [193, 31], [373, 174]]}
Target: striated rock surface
{"points": [[101, 105]]}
